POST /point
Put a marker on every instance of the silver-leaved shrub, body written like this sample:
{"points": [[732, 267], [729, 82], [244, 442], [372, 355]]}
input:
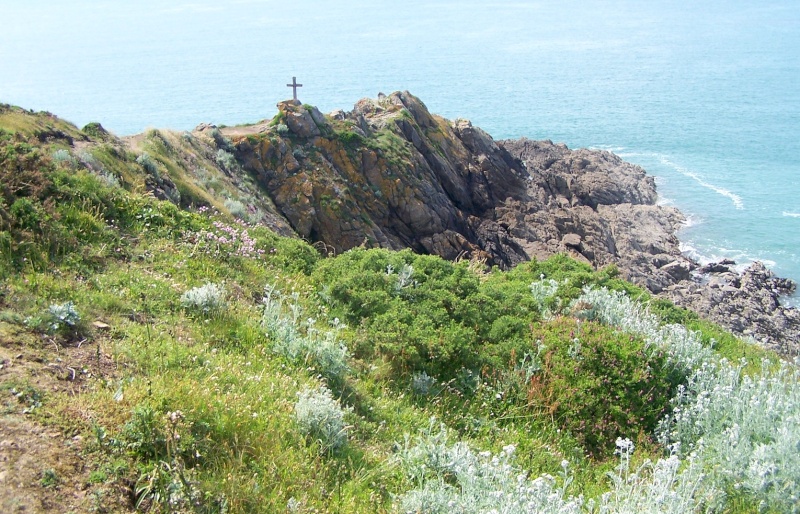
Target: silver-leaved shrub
{"points": [[453, 479], [235, 207], [64, 158], [668, 486], [320, 417], [298, 339], [63, 317], [744, 428], [226, 160], [422, 384], [542, 291], [148, 163], [683, 347], [208, 298]]}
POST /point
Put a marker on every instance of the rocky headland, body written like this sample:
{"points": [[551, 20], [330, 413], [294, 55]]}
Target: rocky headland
{"points": [[389, 173]]}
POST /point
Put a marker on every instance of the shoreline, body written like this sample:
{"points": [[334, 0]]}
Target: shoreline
{"points": [[745, 298]]}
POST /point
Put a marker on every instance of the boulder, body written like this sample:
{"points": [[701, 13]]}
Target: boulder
{"points": [[573, 240], [301, 121]]}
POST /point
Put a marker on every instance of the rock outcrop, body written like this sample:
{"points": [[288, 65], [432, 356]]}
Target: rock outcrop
{"points": [[599, 209], [391, 174], [388, 174], [747, 303]]}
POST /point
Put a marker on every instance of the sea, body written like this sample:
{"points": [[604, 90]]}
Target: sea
{"points": [[704, 94]]}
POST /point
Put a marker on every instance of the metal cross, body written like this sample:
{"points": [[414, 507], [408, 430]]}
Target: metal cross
{"points": [[294, 85]]}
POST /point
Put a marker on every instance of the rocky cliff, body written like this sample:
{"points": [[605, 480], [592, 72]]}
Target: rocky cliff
{"points": [[389, 173]]}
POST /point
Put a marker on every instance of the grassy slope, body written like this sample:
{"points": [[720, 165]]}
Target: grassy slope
{"points": [[165, 402]]}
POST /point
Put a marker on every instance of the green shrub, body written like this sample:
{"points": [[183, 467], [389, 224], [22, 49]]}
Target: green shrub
{"points": [[598, 383], [96, 130], [423, 313], [350, 139], [148, 163]]}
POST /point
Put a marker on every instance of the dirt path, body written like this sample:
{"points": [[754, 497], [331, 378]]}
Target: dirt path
{"points": [[43, 467]]}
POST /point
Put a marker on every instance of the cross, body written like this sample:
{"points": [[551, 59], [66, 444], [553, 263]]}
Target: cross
{"points": [[294, 85]]}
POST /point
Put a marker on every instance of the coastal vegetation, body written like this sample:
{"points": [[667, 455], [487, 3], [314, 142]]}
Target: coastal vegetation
{"points": [[196, 362]]}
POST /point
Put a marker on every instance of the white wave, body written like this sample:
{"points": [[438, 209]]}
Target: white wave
{"points": [[742, 258], [691, 220], [694, 254], [790, 301], [626, 154], [736, 199], [663, 159], [791, 214], [613, 149]]}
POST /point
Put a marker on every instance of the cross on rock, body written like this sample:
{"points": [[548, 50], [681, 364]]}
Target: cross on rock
{"points": [[294, 85]]}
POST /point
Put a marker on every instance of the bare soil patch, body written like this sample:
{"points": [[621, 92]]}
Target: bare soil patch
{"points": [[43, 467]]}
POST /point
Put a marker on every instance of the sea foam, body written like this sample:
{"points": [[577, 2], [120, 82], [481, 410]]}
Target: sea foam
{"points": [[736, 199]]}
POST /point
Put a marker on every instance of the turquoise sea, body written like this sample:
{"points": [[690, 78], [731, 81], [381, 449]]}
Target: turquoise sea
{"points": [[705, 94]]}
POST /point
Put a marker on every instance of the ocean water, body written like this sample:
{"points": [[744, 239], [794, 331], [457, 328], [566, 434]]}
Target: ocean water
{"points": [[704, 95]]}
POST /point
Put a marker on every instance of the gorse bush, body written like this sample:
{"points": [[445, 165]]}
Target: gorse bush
{"points": [[321, 418], [598, 382], [422, 313], [208, 298]]}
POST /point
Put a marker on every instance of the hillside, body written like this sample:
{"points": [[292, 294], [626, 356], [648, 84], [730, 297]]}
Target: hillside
{"points": [[169, 343], [390, 174]]}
